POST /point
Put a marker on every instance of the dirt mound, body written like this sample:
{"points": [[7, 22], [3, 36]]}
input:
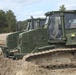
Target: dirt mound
{"points": [[21, 67], [8, 66], [32, 69]]}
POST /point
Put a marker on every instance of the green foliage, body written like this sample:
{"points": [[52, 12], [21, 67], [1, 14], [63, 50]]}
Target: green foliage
{"points": [[3, 22], [62, 8], [7, 21], [11, 20], [2, 19]]}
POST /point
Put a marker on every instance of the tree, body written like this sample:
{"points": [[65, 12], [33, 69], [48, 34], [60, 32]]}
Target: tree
{"points": [[62, 8], [11, 20], [3, 22]]}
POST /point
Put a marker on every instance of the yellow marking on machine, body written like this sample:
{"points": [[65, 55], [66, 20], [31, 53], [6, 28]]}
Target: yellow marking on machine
{"points": [[73, 35]]}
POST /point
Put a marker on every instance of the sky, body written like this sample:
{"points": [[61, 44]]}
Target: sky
{"points": [[23, 9]]}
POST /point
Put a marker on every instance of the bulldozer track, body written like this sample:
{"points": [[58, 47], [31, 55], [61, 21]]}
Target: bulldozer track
{"points": [[48, 51], [33, 56]]}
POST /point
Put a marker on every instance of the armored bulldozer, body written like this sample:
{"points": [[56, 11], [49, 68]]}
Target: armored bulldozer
{"points": [[13, 38], [60, 52], [53, 45]]}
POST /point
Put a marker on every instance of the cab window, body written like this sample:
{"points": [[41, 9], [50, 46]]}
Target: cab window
{"points": [[70, 21]]}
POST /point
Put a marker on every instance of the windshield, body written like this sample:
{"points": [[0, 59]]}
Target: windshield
{"points": [[42, 23], [31, 25], [47, 22], [36, 24], [39, 24], [70, 20]]}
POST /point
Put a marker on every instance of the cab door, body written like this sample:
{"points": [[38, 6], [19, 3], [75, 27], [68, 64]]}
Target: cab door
{"points": [[55, 28]]}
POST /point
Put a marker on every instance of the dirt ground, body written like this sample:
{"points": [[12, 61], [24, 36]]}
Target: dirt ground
{"points": [[3, 38], [21, 67]]}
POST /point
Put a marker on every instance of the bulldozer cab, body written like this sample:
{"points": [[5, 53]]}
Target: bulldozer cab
{"points": [[62, 27], [35, 23]]}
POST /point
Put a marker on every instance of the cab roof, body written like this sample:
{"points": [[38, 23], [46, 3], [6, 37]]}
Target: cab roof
{"points": [[66, 11], [36, 19]]}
